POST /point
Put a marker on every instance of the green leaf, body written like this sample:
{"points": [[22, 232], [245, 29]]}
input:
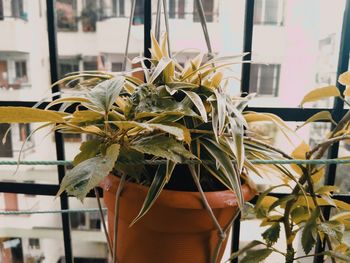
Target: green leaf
{"points": [[255, 256], [130, 162], [281, 201], [88, 174], [309, 234], [219, 155], [161, 177], [320, 93], [197, 101], [252, 244], [28, 115], [105, 93], [319, 116], [88, 149], [272, 234], [164, 147], [221, 108]]}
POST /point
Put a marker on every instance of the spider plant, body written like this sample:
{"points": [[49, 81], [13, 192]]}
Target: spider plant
{"points": [[180, 115]]}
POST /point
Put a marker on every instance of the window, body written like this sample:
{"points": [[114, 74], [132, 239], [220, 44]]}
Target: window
{"points": [[264, 79], [117, 66], [3, 73], [208, 6], [119, 8], [11, 202], [90, 64], [21, 71], [67, 65], [139, 12], [24, 131], [17, 9], [66, 15], [268, 12], [89, 16], [176, 9], [34, 243], [6, 148], [1, 10]]}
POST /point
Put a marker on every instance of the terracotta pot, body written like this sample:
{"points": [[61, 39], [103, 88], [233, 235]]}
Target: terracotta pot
{"points": [[175, 230]]}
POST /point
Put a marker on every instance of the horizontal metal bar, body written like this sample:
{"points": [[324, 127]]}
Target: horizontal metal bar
{"points": [[35, 189]]}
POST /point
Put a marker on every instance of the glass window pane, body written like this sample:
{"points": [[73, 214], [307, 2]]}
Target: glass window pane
{"points": [[296, 36]]}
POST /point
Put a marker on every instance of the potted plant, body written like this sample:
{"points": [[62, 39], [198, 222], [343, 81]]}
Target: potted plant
{"points": [[171, 153]]}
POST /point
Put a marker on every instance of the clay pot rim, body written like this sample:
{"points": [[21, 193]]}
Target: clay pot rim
{"points": [[177, 199]]}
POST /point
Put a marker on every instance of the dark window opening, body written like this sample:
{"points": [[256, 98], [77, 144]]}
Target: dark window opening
{"points": [[21, 71], [34, 243], [264, 79], [269, 12], [78, 220], [6, 148], [117, 66], [1, 10], [90, 65], [66, 11], [66, 66], [89, 16], [139, 12]]}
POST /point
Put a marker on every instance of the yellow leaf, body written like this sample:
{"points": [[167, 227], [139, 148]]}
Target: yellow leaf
{"points": [[28, 115], [344, 78], [321, 202], [155, 50], [85, 115], [316, 177], [269, 117], [216, 80], [165, 45], [70, 99], [268, 201], [320, 93], [300, 153], [319, 116]]}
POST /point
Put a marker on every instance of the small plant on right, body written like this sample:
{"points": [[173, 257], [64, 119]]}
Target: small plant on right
{"points": [[301, 212]]}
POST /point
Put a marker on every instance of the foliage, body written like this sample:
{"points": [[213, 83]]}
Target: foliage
{"points": [[300, 212], [177, 114], [184, 116]]}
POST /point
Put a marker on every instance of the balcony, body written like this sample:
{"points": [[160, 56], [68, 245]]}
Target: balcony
{"points": [[17, 33]]}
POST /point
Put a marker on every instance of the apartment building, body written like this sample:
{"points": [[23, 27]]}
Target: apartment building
{"points": [[91, 35]]}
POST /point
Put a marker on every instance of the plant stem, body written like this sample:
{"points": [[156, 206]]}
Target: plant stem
{"points": [[103, 222], [327, 142], [116, 216], [221, 233]]}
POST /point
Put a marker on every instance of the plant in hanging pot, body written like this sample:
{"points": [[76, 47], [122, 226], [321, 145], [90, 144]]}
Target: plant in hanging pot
{"points": [[171, 153]]}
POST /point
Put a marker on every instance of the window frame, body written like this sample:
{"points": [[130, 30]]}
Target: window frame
{"points": [[288, 114]]}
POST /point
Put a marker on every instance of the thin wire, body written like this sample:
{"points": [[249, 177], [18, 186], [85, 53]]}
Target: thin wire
{"points": [[158, 22], [204, 26], [132, 12], [166, 18], [64, 211], [157, 162]]}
